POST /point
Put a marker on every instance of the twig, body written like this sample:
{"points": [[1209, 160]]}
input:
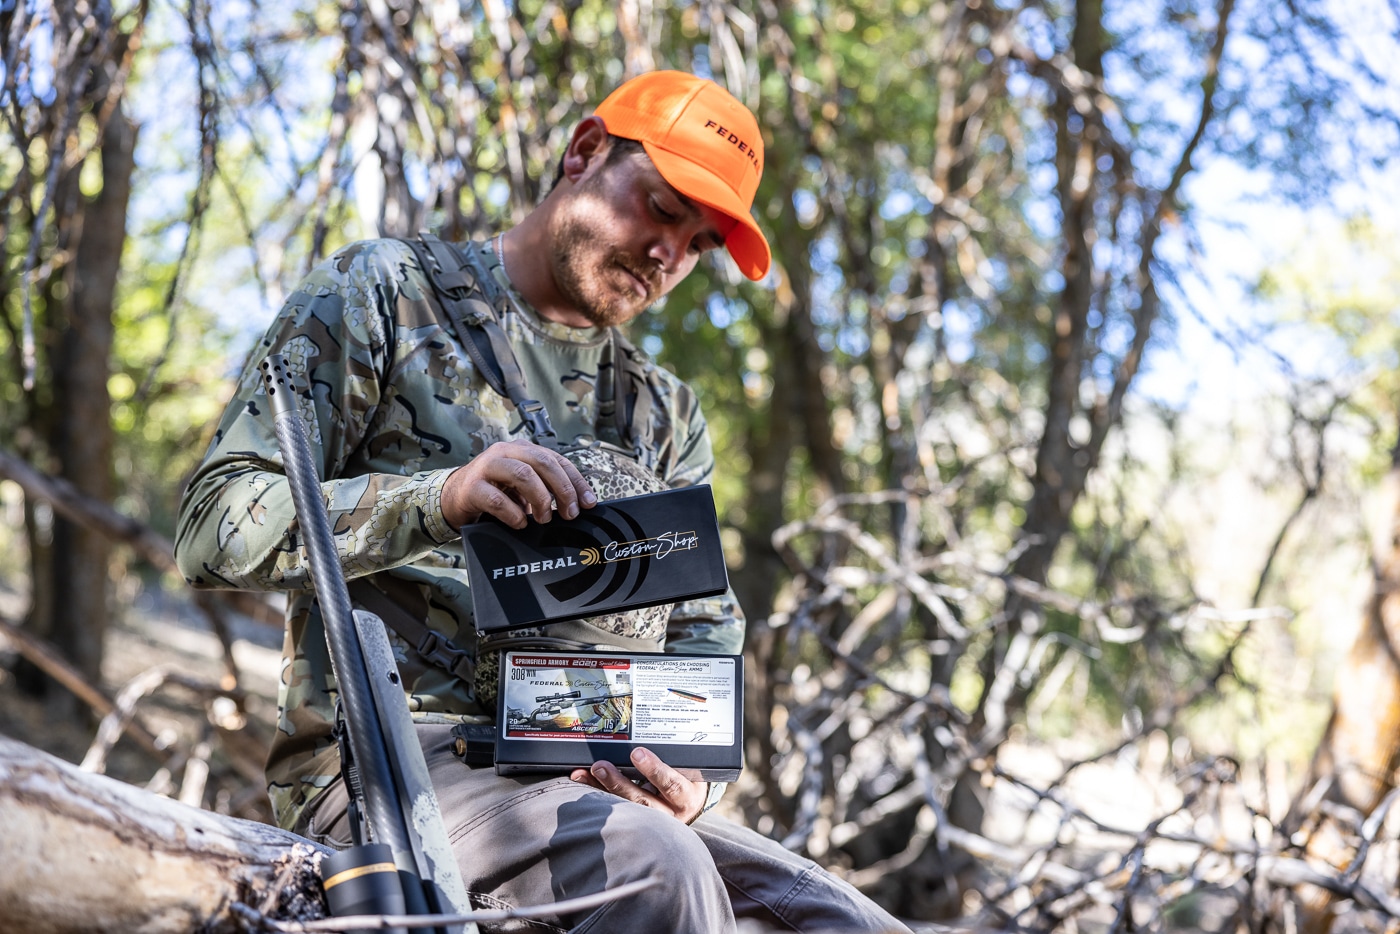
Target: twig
{"points": [[141, 686], [809, 803], [206, 72], [922, 589], [1369, 829], [196, 775], [381, 922], [74, 505], [154, 548], [47, 658]]}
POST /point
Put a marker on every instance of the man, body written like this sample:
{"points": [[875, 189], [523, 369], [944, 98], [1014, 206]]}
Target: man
{"points": [[416, 444]]}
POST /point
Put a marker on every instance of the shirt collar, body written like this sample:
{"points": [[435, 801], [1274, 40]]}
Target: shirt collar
{"points": [[528, 316]]}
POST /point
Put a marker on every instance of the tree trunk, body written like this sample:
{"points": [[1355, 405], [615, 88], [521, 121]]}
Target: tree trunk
{"points": [[84, 852], [1356, 759], [1062, 465], [755, 583], [74, 611]]}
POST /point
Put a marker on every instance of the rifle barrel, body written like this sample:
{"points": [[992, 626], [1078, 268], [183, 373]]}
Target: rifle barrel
{"points": [[367, 741]]}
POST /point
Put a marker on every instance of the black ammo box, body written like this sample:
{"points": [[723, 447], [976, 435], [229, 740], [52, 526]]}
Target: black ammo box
{"points": [[624, 554]]}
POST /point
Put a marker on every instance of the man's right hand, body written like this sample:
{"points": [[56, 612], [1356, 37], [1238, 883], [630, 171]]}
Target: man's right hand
{"points": [[512, 480]]}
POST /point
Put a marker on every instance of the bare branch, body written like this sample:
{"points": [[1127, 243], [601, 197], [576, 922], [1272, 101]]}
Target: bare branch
{"points": [[383, 922]]}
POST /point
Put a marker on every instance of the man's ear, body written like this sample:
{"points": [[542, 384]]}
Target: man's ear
{"points": [[587, 149]]}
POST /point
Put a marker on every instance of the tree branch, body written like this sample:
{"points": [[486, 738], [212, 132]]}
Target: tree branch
{"points": [[47, 658], [149, 544]]}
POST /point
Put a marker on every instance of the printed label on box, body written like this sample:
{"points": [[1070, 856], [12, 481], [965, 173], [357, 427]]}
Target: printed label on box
{"points": [[628, 699]]}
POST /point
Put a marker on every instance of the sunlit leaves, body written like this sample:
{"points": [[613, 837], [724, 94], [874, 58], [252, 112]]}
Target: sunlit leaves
{"points": [[1340, 283]]}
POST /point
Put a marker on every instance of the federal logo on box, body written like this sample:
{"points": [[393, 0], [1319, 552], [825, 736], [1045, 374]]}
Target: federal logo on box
{"points": [[623, 554]]}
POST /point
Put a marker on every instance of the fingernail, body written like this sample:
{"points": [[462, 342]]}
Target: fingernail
{"points": [[599, 771], [571, 511], [590, 498], [641, 755]]}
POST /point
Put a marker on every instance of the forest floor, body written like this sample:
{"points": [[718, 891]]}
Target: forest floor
{"points": [[1127, 791], [154, 630]]}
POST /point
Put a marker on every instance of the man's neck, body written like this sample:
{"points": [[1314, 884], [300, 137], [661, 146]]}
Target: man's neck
{"points": [[527, 253]]}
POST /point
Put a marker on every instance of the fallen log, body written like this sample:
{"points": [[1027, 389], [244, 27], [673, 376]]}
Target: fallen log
{"points": [[83, 852]]}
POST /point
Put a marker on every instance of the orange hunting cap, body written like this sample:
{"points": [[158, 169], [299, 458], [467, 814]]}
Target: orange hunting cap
{"points": [[702, 141]]}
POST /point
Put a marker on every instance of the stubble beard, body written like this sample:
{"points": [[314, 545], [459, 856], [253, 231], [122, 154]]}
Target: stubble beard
{"points": [[584, 272]]}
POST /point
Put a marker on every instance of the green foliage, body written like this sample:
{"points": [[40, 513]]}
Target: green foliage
{"points": [[163, 401], [1339, 284]]}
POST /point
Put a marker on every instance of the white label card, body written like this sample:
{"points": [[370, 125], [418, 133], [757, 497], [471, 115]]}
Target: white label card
{"points": [[628, 699]]}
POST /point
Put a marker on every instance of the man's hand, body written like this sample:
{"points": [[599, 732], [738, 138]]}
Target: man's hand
{"points": [[511, 480], [666, 789]]}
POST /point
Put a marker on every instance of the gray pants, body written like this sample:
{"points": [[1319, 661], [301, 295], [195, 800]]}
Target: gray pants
{"points": [[534, 840]]}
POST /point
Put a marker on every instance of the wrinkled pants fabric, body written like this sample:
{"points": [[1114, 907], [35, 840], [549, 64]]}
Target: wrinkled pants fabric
{"points": [[534, 840]]}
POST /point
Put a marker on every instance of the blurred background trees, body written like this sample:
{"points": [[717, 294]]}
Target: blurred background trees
{"points": [[949, 513], [68, 184]]}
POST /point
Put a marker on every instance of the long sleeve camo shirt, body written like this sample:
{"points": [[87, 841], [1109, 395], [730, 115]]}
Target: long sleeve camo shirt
{"points": [[395, 405]]}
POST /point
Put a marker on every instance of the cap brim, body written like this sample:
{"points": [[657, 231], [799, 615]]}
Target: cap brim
{"points": [[745, 242]]}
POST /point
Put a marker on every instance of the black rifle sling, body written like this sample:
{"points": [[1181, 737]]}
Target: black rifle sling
{"points": [[460, 294], [457, 284], [426, 641]]}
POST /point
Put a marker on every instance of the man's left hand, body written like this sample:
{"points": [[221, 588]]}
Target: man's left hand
{"points": [[665, 789]]}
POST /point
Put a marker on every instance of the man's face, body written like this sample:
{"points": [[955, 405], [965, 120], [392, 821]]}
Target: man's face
{"points": [[624, 237]]}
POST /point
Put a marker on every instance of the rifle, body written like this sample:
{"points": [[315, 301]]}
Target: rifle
{"points": [[551, 705], [401, 861]]}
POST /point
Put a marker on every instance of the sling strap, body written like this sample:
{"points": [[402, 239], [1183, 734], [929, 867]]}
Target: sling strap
{"points": [[627, 387], [459, 292], [626, 399], [426, 641]]}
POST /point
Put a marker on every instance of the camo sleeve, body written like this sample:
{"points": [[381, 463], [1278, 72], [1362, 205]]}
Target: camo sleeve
{"points": [[712, 626], [236, 520]]}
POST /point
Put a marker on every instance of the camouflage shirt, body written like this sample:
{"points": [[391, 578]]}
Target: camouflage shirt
{"points": [[395, 405]]}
